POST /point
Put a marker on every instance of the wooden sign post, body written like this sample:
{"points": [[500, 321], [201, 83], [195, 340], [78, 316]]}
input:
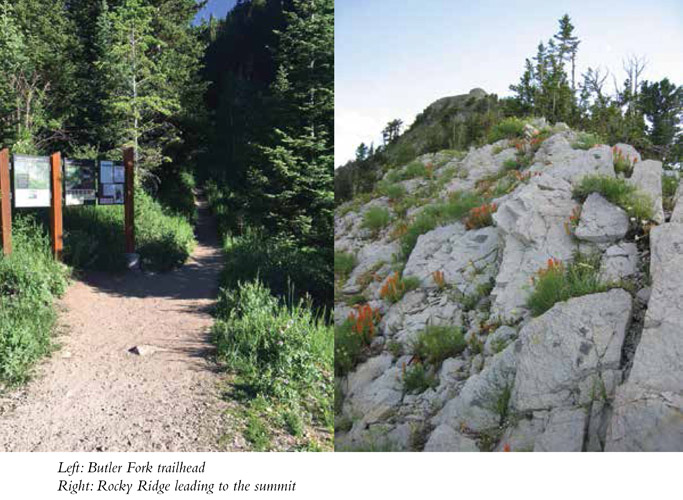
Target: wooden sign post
{"points": [[5, 203], [129, 195], [56, 228]]}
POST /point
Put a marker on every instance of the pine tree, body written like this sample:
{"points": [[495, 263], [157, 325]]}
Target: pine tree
{"points": [[568, 45], [297, 174]]}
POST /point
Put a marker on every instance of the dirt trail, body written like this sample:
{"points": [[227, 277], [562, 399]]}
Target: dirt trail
{"points": [[94, 395]]}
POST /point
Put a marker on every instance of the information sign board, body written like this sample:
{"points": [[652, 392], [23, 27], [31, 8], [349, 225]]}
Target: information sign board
{"points": [[31, 181], [112, 178], [80, 181]]}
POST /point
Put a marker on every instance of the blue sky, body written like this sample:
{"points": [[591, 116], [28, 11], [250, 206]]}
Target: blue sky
{"points": [[216, 7], [395, 57]]}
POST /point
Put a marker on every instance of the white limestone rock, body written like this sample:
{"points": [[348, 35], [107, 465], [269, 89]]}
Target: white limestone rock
{"points": [[601, 221], [647, 177]]}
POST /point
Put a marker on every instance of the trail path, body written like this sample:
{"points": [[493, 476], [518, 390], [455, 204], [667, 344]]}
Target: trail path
{"points": [[95, 395]]}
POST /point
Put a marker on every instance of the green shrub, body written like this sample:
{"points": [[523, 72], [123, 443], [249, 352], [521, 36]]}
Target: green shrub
{"points": [[344, 263], [282, 265], [30, 280], [375, 219], [176, 192], [559, 282], [94, 238], [669, 188], [279, 350], [394, 192], [348, 346], [417, 379], [508, 128], [619, 192], [415, 169], [437, 343], [423, 223], [586, 140]]}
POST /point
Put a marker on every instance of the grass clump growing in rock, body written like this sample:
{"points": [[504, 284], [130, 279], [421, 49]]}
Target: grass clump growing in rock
{"points": [[415, 169], [558, 282], [375, 219], [348, 347], [458, 206], [344, 263], [636, 203], [586, 140], [394, 192], [437, 343], [417, 379]]}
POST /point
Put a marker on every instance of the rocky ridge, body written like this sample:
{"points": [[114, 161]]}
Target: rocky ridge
{"points": [[597, 372]]}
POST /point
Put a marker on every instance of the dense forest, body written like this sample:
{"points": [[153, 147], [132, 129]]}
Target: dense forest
{"points": [[239, 110], [627, 108]]}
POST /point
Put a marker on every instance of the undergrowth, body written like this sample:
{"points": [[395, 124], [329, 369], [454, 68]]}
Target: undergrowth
{"points": [[30, 281], [94, 238]]}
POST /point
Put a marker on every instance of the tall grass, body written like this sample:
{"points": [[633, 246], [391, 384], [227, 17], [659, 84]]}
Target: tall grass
{"points": [[30, 280], [94, 238]]}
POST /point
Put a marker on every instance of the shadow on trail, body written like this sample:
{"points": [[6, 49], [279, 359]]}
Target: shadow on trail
{"points": [[197, 279]]}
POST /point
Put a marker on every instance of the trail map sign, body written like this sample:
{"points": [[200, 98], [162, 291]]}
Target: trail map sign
{"points": [[80, 177], [112, 178], [31, 181]]}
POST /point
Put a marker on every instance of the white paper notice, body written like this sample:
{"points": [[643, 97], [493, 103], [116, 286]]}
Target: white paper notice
{"points": [[106, 172], [119, 174]]}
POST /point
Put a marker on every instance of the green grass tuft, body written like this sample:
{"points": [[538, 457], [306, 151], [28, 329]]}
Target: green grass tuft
{"points": [[437, 343], [344, 263], [636, 203], [586, 140], [375, 219], [417, 379], [559, 282]]}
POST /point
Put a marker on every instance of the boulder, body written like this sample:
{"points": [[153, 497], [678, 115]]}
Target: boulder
{"points": [[466, 258], [532, 222], [619, 262], [601, 222], [415, 311], [376, 401], [564, 431], [445, 438], [571, 164], [648, 407], [563, 353], [647, 177], [477, 407]]}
